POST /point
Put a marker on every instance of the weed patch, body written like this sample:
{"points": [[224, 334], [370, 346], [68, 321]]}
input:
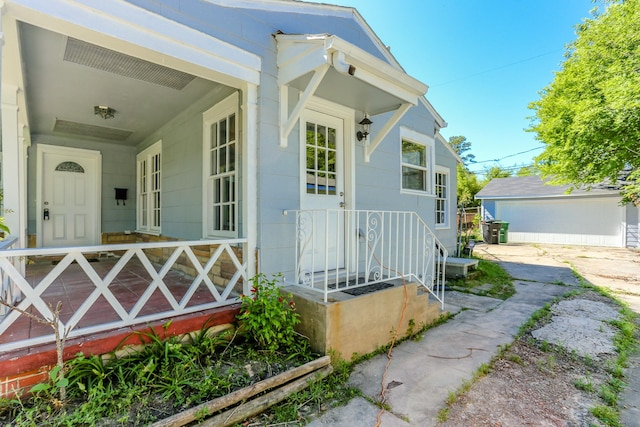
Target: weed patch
{"points": [[489, 279]]}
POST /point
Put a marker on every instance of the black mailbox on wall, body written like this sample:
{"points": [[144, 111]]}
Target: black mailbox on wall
{"points": [[121, 194]]}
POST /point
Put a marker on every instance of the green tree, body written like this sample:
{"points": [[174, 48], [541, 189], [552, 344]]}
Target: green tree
{"points": [[468, 187], [495, 172], [589, 116], [528, 170], [468, 184], [461, 146]]}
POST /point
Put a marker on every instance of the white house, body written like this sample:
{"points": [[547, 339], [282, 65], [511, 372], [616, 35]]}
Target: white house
{"points": [[149, 129], [541, 213]]}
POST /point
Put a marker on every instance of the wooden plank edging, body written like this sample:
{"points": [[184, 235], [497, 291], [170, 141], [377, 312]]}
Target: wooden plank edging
{"points": [[220, 403], [260, 404]]}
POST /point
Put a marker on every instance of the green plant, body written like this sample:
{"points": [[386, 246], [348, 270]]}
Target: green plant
{"points": [[608, 415], [49, 390], [3, 226], [585, 384], [268, 317], [487, 273], [86, 373], [443, 414]]}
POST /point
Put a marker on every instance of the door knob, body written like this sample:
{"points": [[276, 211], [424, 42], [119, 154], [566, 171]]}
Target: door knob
{"points": [[342, 204]]}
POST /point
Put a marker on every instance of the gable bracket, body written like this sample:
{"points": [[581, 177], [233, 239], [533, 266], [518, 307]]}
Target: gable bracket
{"points": [[288, 121], [370, 147]]}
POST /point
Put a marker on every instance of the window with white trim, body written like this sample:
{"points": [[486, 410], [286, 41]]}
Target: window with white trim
{"points": [[416, 162], [148, 189], [221, 168], [442, 197]]}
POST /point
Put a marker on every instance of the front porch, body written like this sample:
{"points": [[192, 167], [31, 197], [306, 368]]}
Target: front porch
{"points": [[174, 287], [106, 294]]}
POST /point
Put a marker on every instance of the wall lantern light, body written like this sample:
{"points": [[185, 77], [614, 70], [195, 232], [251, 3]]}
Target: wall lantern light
{"points": [[366, 128]]}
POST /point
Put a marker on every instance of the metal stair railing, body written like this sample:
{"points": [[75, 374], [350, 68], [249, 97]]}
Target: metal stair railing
{"points": [[342, 249]]}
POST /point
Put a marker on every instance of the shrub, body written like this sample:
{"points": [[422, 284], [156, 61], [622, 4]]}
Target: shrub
{"points": [[268, 316]]}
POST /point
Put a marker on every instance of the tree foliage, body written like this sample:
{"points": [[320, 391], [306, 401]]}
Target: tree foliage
{"points": [[495, 172], [589, 116], [461, 146], [468, 187], [528, 170], [468, 184]]}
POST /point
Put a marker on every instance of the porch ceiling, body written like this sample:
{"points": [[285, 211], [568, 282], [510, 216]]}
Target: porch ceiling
{"points": [[65, 78]]}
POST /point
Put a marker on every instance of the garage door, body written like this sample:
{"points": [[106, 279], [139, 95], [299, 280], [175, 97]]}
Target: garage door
{"points": [[575, 221]]}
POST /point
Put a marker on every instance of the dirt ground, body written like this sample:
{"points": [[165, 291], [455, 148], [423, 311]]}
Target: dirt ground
{"points": [[617, 269], [534, 382]]}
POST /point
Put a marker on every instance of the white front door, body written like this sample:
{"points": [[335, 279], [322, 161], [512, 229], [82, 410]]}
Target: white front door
{"points": [[322, 171], [69, 197]]}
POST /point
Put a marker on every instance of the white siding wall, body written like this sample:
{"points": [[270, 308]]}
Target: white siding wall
{"points": [[575, 221], [377, 183]]}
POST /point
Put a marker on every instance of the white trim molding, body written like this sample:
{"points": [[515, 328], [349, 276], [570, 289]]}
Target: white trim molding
{"points": [[427, 141], [92, 155], [146, 176], [116, 23], [447, 197]]}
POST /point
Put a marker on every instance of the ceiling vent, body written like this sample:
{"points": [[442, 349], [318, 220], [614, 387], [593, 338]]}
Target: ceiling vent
{"points": [[82, 129], [90, 55]]}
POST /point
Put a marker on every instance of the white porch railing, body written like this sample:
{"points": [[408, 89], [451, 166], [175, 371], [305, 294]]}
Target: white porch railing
{"points": [[9, 290], [201, 262], [341, 249]]}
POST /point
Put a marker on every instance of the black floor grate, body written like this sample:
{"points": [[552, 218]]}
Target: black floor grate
{"points": [[368, 289]]}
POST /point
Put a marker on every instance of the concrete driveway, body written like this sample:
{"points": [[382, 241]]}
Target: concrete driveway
{"points": [[421, 374], [617, 269]]}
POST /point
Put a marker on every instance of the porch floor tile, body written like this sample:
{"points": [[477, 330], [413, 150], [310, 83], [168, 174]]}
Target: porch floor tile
{"points": [[73, 286]]}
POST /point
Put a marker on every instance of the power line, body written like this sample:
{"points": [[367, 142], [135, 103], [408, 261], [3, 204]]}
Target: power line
{"points": [[506, 169], [506, 157], [479, 73]]}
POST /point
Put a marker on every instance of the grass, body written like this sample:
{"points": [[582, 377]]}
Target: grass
{"points": [[170, 375], [607, 411], [489, 279], [164, 377]]}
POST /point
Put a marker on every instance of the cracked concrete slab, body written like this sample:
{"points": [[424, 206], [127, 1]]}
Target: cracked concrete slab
{"points": [[424, 372]]}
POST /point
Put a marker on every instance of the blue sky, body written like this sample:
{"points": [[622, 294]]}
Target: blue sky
{"points": [[484, 62]]}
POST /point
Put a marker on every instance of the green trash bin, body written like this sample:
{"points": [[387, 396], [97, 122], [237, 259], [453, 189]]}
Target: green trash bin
{"points": [[504, 232]]}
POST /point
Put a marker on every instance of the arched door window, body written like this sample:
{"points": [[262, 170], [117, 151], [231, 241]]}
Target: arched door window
{"points": [[69, 167]]}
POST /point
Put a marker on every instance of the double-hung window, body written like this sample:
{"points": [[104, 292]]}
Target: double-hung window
{"points": [[442, 197], [148, 189], [416, 162], [220, 146]]}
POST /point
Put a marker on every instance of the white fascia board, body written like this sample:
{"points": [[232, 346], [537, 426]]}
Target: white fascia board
{"points": [[287, 6], [438, 118], [298, 58], [376, 71], [130, 24], [300, 53], [554, 196], [448, 147]]}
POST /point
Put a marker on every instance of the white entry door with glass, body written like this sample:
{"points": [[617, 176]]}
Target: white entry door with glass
{"points": [[69, 196], [322, 193]]}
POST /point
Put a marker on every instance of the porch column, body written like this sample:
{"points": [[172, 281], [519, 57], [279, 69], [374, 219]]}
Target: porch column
{"points": [[250, 176], [13, 165]]}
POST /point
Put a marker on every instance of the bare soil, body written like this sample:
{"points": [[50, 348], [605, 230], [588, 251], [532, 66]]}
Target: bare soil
{"points": [[534, 384]]}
